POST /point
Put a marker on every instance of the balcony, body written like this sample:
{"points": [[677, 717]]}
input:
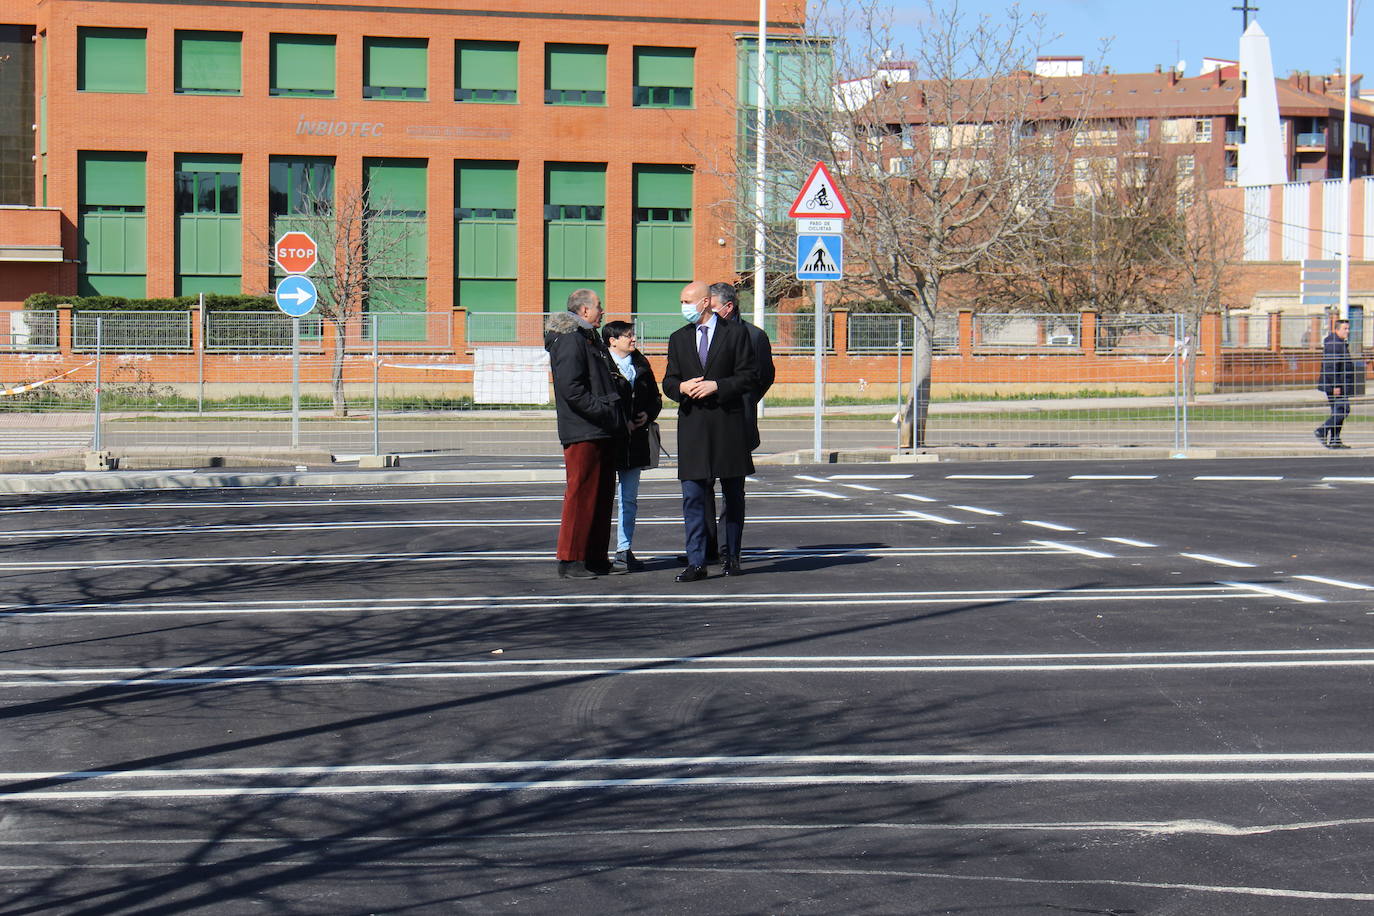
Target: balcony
{"points": [[1314, 174], [1315, 139], [1235, 137]]}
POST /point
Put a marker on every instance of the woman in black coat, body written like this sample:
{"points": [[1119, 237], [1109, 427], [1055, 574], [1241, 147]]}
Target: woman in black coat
{"points": [[638, 388]]}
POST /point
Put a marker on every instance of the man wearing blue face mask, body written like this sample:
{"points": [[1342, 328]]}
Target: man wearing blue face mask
{"points": [[710, 371]]}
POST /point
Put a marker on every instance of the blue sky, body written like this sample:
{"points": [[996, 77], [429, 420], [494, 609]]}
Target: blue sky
{"points": [[1304, 34]]}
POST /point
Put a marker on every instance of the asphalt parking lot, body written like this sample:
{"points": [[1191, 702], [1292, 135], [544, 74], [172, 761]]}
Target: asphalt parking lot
{"points": [[1090, 687]]}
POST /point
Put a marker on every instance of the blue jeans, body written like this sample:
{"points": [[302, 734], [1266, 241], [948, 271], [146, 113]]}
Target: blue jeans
{"points": [[627, 508]]}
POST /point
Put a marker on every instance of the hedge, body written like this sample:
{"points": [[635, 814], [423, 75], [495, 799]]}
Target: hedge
{"points": [[213, 303]]}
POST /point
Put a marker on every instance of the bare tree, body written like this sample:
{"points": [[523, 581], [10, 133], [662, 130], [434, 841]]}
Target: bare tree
{"points": [[948, 155], [365, 252]]}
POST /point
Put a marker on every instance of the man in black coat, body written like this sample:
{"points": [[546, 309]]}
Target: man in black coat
{"points": [[592, 418], [1338, 381], [710, 371]]}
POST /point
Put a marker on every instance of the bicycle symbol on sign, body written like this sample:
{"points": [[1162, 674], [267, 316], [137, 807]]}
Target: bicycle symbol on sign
{"points": [[820, 199]]}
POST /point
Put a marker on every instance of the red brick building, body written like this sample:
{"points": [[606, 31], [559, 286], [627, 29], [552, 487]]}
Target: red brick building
{"points": [[536, 146]]}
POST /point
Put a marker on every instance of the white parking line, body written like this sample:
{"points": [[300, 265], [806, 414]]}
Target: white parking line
{"points": [[1114, 477], [871, 476], [977, 510], [1050, 525], [810, 478], [919, 499], [1348, 479], [1339, 583], [1130, 542], [988, 476], [1220, 561], [1070, 548], [1277, 592], [929, 517], [679, 781], [825, 493], [859, 486], [1236, 477]]}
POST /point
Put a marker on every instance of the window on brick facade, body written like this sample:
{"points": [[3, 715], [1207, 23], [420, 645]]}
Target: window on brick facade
{"points": [[209, 63], [663, 77], [486, 71], [395, 68], [575, 75], [303, 65], [112, 60]]}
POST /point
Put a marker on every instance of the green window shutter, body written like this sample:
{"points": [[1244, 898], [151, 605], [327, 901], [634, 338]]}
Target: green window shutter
{"points": [[576, 251], [395, 68], [661, 186], [487, 71], [210, 286], [210, 163], [396, 185], [303, 65], [663, 252], [576, 185], [406, 296], [486, 248], [486, 185], [209, 245], [112, 60], [577, 66], [575, 75], [664, 67], [491, 309], [209, 62], [113, 180]]}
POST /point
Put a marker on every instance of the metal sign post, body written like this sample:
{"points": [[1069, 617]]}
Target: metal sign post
{"points": [[818, 408], [295, 382]]}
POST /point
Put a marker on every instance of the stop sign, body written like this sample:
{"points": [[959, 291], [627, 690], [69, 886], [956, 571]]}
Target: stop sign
{"points": [[296, 252]]}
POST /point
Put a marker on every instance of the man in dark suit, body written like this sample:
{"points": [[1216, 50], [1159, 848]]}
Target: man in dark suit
{"points": [[1338, 381], [710, 371]]}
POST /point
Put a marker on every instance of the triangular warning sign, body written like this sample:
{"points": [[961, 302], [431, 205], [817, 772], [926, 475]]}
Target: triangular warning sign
{"points": [[818, 259], [819, 197]]}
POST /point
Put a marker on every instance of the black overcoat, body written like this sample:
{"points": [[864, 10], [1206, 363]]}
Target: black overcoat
{"points": [[1338, 369], [712, 433]]}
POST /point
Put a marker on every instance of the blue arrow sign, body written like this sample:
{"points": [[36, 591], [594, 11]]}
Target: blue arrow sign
{"points": [[296, 296], [820, 257]]}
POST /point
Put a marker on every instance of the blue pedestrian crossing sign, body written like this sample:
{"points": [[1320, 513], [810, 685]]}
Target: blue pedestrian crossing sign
{"points": [[820, 257], [296, 295]]}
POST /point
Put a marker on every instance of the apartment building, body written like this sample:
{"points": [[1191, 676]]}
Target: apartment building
{"points": [[1192, 120], [155, 148]]}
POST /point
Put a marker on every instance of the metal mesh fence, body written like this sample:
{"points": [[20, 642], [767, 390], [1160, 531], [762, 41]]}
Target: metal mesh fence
{"points": [[28, 331], [478, 384]]}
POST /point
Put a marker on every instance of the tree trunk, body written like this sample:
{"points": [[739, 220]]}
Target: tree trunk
{"points": [[917, 412], [336, 378]]}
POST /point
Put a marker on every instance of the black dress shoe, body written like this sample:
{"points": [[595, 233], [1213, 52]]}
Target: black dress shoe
{"points": [[607, 568], [692, 574], [731, 567], [574, 569], [628, 559]]}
